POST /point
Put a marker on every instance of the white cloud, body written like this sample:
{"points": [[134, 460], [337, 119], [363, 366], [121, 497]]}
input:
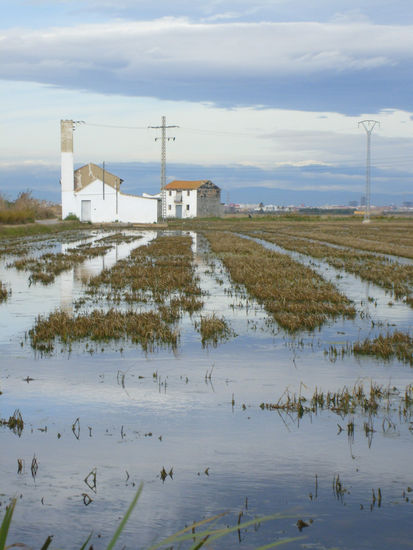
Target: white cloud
{"points": [[129, 51]]}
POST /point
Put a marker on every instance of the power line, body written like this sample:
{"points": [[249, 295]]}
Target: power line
{"points": [[115, 126]]}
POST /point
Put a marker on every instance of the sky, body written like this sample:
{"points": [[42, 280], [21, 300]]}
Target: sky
{"points": [[267, 95]]}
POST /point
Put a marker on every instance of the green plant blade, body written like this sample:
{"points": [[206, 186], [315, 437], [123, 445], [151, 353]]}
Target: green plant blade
{"points": [[86, 542], [47, 543], [5, 524], [125, 519]]}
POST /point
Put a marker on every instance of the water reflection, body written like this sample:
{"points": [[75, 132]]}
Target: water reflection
{"points": [[140, 413]]}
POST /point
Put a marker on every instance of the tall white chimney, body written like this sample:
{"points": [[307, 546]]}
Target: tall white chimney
{"points": [[67, 179]]}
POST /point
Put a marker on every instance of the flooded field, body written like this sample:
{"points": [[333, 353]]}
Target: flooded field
{"points": [[239, 372]]}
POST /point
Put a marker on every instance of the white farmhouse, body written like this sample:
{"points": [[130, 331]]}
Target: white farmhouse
{"points": [[190, 199], [93, 194]]}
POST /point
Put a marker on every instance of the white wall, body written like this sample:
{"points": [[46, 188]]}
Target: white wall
{"points": [[137, 209], [129, 209], [187, 200]]}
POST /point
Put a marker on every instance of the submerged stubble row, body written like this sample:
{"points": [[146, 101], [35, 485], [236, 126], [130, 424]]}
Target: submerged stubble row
{"points": [[158, 278], [390, 275], [296, 296]]}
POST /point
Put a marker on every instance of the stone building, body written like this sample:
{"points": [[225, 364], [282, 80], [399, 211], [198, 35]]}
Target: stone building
{"points": [[191, 199]]}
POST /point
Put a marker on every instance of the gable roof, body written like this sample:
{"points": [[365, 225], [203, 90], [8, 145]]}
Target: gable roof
{"points": [[178, 185], [89, 173]]}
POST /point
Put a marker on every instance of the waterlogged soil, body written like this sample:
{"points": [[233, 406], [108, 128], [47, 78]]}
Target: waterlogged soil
{"points": [[100, 418]]}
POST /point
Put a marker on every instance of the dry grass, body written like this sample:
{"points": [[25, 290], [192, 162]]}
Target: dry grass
{"points": [[296, 296], [4, 293], [386, 236], [160, 274], [397, 345], [161, 271], [147, 329], [392, 276], [213, 330], [45, 268]]}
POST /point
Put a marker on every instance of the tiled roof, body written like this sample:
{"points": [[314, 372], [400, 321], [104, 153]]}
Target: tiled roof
{"points": [[178, 185]]}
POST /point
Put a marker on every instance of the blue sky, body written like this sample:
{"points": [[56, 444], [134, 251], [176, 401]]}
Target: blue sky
{"points": [[267, 94]]}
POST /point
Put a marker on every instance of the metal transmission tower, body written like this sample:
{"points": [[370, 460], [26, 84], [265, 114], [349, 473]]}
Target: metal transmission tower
{"points": [[369, 126], [163, 139]]}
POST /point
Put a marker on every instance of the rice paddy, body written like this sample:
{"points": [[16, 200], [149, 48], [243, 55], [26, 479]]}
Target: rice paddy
{"points": [[380, 270], [236, 382], [297, 297]]}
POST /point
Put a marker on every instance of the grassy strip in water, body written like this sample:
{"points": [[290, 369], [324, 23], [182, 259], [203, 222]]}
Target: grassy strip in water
{"points": [[386, 238], [296, 296], [377, 269], [147, 329], [161, 271], [213, 330], [396, 345], [45, 268]]}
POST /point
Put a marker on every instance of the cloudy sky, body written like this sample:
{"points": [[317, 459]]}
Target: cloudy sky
{"points": [[267, 94]]}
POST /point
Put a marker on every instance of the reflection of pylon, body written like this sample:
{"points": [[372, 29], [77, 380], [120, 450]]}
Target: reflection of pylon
{"points": [[368, 125], [163, 139]]}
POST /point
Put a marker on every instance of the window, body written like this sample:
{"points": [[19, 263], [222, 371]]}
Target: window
{"points": [[187, 206], [188, 193], [169, 207], [170, 193]]}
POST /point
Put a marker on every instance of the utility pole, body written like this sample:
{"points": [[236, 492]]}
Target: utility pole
{"points": [[163, 139], [369, 126]]}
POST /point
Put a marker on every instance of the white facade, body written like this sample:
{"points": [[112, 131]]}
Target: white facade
{"points": [[100, 203], [181, 203]]}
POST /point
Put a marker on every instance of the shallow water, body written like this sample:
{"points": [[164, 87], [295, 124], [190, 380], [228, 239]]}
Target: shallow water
{"points": [[141, 412]]}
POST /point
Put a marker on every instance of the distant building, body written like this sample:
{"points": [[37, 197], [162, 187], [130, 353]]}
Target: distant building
{"points": [[93, 194], [191, 199]]}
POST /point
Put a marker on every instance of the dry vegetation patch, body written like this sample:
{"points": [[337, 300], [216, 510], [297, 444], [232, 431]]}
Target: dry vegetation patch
{"points": [[396, 345], [45, 268], [161, 271], [395, 277], [213, 329], [159, 275], [296, 296], [147, 329], [4, 293]]}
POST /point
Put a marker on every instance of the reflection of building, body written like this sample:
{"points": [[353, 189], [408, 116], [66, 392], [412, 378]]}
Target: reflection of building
{"points": [[93, 194], [190, 199]]}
